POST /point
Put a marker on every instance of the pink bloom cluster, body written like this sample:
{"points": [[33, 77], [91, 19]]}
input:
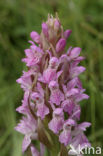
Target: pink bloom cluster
{"points": [[52, 89]]}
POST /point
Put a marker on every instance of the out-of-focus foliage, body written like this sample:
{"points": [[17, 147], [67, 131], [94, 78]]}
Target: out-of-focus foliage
{"points": [[17, 19]]}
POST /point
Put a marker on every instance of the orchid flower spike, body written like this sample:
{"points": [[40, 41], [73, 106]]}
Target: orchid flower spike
{"points": [[52, 92]]}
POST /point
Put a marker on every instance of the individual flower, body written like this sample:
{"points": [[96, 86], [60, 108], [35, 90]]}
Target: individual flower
{"points": [[66, 136], [56, 123], [79, 139], [42, 109], [68, 106], [28, 127], [56, 96], [50, 73], [26, 80], [33, 56], [24, 108]]}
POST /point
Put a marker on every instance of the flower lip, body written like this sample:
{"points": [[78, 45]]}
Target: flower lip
{"points": [[53, 62], [35, 96], [53, 85], [69, 123], [58, 111], [72, 92]]}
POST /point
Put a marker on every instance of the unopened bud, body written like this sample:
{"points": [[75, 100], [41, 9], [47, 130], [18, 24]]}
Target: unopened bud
{"points": [[67, 33], [45, 29], [60, 45], [57, 25], [35, 36]]}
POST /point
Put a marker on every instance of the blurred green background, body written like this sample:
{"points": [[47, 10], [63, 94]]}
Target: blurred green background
{"points": [[17, 19]]}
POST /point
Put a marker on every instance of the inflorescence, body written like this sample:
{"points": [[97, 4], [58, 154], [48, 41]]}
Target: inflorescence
{"points": [[52, 91]]}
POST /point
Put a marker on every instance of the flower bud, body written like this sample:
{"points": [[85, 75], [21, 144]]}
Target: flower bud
{"points": [[60, 45], [45, 29], [35, 36], [57, 25], [75, 52], [67, 33]]}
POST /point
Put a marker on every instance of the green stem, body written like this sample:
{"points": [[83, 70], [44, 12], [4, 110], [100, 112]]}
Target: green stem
{"points": [[29, 152]]}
